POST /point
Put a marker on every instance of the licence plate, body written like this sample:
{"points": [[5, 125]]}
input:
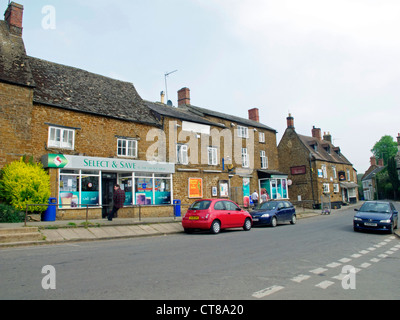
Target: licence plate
{"points": [[256, 219], [194, 218], [370, 224]]}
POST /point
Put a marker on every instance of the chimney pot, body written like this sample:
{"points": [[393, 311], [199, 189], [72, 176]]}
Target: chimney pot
{"points": [[254, 114], [184, 97], [13, 17]]}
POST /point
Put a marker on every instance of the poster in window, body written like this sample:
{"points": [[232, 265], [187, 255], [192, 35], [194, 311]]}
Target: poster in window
{"points": [[195, 188], [224, 189]]}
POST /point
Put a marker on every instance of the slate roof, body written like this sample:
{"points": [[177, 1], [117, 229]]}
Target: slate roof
{"points": [[372, 174], [179, 113], [224, 116], [14, 65], [321, 153], [79, 90]]}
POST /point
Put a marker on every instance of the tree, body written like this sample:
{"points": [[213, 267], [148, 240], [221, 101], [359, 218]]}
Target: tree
{"points": [[393, 175], [23, 183], [385, 149]]}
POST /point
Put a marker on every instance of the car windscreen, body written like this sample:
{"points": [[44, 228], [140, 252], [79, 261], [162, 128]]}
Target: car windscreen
{"points": [[268, 205], [375, 207], [200, 205]]}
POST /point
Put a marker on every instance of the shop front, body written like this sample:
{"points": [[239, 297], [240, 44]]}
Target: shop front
{"points": [[273, 184], [87, 181]]}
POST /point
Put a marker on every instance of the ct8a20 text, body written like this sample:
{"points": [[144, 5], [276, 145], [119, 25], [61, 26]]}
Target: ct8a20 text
{"points": [[206, 309]]}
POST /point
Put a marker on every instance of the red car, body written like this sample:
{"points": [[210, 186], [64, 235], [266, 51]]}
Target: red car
{"points": [[215, 215]]}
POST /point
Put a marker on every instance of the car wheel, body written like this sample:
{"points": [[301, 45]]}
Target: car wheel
{"points": [[294, 219], [391, 230], [274, 222], [247, 225], [216, 227]]}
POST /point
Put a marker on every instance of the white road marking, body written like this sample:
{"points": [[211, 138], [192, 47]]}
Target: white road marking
{"points": [[383, 256], [364, 252], [375, 260], [267, 292], [365, 265], [334, 265], [325, 284], [356, 255], [301, 278], [345, 260]]}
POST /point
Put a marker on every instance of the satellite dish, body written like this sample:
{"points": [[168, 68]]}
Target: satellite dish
{"points": [[169, 103]]}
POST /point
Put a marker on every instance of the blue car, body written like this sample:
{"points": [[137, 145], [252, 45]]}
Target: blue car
{"points": [[273, 212], [377, 216]]}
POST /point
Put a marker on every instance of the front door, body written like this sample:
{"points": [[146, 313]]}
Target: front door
{"points": [[108, 180]]}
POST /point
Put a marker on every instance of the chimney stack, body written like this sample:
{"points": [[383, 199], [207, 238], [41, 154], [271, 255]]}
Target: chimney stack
{"points": [[381, 163], [13, 17], [184, 97], [373, 161], [316, 133], [290, 122], [254, 115], [328, 137], [398, 140]]}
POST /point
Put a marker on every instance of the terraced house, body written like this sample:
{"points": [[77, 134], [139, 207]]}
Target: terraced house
{"points": [[318, 171], [91, 132]]}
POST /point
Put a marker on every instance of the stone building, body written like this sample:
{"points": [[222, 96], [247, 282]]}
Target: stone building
{"points": [[318, 171], [369, 180]]}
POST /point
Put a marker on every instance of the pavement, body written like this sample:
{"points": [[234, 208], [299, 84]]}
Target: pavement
{"points": [[66, 231]]}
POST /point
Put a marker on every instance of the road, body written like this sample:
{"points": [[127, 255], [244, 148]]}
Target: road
{"points": [[304, 261]]}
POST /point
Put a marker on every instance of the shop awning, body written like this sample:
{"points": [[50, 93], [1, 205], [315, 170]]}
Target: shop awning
{"points": [[273, 174], [348, 185]]}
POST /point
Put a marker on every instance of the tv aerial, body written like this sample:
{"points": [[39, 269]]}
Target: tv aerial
{"points": [[166, 75]]}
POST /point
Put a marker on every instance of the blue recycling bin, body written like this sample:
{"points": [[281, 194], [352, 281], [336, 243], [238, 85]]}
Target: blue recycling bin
{"points": [[50, 213], [177, 208]]}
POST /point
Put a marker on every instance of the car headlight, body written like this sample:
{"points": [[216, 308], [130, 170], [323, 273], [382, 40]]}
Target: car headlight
{"points": [[357, 219], [386, 221], [265, 215]]}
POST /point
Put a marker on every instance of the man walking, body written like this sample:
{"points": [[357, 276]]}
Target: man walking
{"points": [[118, 200], [254, 198]]}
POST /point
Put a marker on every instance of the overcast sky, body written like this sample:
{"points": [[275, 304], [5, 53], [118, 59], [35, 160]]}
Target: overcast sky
{"points": [[333, 64]]}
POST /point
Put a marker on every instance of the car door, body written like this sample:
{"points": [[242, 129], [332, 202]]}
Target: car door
{"points": [[280, 212], [221, 213], [236, 217]]}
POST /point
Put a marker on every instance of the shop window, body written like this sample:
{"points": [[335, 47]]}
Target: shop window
{"points": [[61, 138], [144, 190], [78, 189]]}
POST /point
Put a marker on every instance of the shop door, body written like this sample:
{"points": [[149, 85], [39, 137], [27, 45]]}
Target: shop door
{"points": [[108, 181]]}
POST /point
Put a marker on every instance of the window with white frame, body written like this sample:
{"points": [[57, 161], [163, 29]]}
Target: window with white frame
{"points": [[334, 172], [324, 172], [243, 132], [264, 160], [261, 137], [336, 188], [245, 158], [127, 148], [326, 187], [182, 154], [212, 156], [348, 175], [62, 138]]}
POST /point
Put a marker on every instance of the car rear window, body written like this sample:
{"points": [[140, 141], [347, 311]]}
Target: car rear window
{"points": [[200, 205]]}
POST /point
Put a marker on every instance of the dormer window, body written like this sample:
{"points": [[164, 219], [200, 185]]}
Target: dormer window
{"points": [[314, 146]]}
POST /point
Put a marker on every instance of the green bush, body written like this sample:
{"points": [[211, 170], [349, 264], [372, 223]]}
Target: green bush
{"points": [[24, 183], [10, 215]]}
